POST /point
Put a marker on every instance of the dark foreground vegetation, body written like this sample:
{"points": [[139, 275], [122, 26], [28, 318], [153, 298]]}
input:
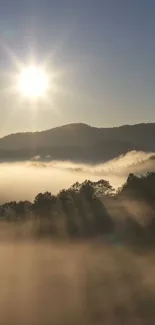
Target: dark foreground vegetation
{"points": [[93, 278], [89, 210]]}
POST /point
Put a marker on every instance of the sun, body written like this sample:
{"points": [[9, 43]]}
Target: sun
{"points": [[33, 82]]}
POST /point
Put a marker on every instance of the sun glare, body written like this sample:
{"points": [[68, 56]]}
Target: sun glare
{"points": [[33, 82]]}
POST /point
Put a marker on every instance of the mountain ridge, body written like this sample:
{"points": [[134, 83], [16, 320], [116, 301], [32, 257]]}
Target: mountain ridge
{"points": [[81, 124], [78, 141]]}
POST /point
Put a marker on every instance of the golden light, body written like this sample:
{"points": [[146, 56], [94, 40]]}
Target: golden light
{"points": [[33, 82]]}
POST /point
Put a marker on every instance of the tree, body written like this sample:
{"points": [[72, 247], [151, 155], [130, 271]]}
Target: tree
{"points": [[44, 204], [8, 210], [67, 199], [23, 209], [95, 217], [100, 188]]}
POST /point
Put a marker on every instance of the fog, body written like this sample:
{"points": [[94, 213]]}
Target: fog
{"points": [[46, 282], [20, 181], [43, 283]]}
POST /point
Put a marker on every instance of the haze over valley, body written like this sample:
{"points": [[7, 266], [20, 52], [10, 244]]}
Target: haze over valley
{"points": [[77, 162], [55, 159]]}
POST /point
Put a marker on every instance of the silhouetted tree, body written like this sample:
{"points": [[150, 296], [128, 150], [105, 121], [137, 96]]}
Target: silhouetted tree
{"points": [[23, 209], [67, 200], [101, 188], [44, 204], [94, 216], [43, 208], [83, 210]]}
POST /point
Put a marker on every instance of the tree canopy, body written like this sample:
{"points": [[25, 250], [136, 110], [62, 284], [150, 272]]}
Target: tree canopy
{"points": [[89, 209]]}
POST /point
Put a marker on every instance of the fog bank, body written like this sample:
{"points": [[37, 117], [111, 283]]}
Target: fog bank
{"points": [[20, 181], [48, 284]]}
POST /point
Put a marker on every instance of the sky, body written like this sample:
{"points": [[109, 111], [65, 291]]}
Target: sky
{"points": [[101, 51]]}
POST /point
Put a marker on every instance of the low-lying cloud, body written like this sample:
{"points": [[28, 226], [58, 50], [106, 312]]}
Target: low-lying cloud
{"points": [[20, 181]]}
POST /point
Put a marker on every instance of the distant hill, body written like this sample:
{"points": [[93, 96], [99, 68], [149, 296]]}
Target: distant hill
{"points": [[78, 142]]}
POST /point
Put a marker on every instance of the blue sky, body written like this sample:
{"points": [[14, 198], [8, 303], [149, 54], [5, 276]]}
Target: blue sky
{"points": [[105, 48]]}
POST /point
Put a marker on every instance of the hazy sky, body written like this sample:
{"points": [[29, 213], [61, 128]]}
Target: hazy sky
{"points": [[104, 51]]}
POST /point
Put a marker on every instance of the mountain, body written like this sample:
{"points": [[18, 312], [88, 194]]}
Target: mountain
{"points": [[78, 142]]}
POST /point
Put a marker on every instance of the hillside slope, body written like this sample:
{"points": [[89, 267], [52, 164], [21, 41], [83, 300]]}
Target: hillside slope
{"points": [[79, 142]]}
